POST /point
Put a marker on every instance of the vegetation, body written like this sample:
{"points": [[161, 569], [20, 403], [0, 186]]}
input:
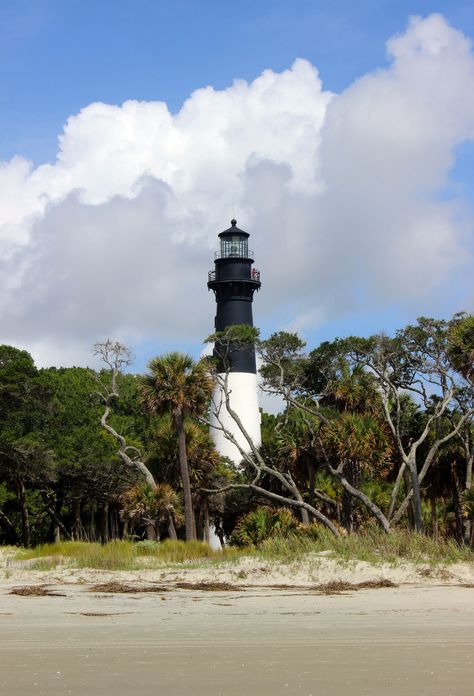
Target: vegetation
{"points": [[175, 384], [121, 555], [374, 546], [376, 433]]}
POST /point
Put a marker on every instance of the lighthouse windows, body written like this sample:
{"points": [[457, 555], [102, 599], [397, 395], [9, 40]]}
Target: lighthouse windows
{"points": [[234, 247]]}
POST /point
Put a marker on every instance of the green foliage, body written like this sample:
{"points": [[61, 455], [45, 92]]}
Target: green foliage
{"points": [[468, 503], [144, 505], [283, 360], [176, 384], [461, 345], [240, 336], [360, 438], [262, 523], [60, 470]]}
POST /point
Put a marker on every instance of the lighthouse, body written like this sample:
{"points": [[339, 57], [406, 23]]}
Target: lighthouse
{"points": [[234, 282]]}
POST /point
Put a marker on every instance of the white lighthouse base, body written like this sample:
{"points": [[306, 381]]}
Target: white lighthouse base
{"points": [[242, 388]]}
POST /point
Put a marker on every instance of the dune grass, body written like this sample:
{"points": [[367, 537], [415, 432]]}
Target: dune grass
{"points": [[123, 555], [372, 546]]}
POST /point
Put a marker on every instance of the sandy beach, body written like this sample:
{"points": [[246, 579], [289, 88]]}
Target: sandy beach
{"points": [[266, 629]]}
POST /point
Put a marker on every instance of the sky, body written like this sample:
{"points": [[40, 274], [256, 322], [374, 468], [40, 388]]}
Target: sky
{"points": [[339, 134]]}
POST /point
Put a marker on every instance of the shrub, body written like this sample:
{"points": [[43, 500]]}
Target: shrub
{"points": [[262, 523]]}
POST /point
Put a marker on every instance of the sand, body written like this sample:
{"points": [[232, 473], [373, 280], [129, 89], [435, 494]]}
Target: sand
{"points": [[270, 633]]}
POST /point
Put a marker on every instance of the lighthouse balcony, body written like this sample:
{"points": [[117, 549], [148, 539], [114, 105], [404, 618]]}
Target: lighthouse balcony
{"points": [[254, 275]]}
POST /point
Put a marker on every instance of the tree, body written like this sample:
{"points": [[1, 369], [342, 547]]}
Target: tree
{"points": [[148, 506], [205, 467], [182, 387], [324, 387], [357, 442], [461, 345], [117, 356], [86, 471], [24, 458], [416, 361]]}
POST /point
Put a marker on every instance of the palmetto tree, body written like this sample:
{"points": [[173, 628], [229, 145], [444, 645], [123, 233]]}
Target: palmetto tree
{"points": [[354, 389], [461, 345], [148, 506], [205, 467], [178, 385], [358, 442]]}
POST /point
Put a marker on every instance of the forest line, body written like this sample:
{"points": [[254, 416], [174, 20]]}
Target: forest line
{"points": [[375, 430]]}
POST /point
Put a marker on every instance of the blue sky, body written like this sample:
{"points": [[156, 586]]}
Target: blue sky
{"points": [[346, 271], [57, 56]]}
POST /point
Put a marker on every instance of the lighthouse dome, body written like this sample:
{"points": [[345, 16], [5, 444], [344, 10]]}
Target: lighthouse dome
{"points": [[234, 230]]}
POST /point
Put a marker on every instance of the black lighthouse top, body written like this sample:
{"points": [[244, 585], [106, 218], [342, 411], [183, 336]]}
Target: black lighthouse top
{"points": [[234, 282], [233, 260], [234, 242]]}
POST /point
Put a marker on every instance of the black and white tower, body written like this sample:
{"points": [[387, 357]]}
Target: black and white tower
{"points": [[234, 282]]}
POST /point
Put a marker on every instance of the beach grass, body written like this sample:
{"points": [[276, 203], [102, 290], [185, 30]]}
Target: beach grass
{"points": [[123, 555], [373, 546]]}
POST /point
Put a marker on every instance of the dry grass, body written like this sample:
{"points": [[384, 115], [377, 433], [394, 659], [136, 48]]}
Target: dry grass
{"points": [[35, 591], [372, 545], [208, 586], [121, 588], [340, 586]]}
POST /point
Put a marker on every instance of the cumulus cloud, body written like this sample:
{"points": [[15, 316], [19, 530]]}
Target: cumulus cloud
{"points": [[347, 198]]}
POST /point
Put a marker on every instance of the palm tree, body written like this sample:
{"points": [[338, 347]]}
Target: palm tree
{"points": [[148, 506], [461, 345], [177, 385], [144, 505], [358, 442], [205, 467], [354, 389]]}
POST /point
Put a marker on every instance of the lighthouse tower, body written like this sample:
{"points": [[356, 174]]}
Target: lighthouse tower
{"points": [[234, 282]]}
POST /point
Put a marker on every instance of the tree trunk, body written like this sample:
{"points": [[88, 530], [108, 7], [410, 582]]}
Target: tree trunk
{"points": [[364, 499], [348, 507], [304, 517], [114, 524], [172, 525], [76, 515], [92, 525], [206, 522], [417, 513], [183, 465], [434, 518], [347, 511], [57, 513], [458, 511], [25, 516], [311, 469], [467, 486], [151, 531], [409, 509], [103, 514], [57, 534]]}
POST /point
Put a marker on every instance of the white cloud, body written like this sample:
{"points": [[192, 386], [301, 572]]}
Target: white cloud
{"points": [[344, 197]]}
